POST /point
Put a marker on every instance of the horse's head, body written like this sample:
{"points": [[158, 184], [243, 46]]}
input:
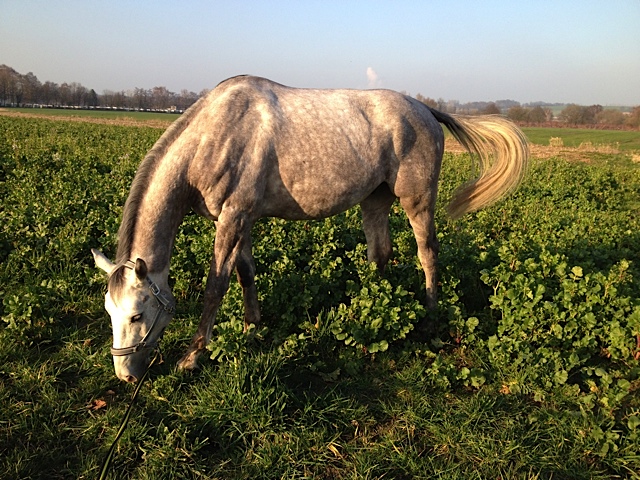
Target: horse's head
{"points": [[139, 312]]}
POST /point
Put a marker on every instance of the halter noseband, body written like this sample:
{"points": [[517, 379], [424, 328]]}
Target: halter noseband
{"points": [[164, 304]]}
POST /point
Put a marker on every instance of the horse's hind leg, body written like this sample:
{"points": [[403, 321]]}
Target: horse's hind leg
{"points": [[246, 271], [420, 210], [375, 223], [232, 233]]}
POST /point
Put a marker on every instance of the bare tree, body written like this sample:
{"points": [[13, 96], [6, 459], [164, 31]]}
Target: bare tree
{"points": [[65, 94], [92, 98], [50, 93], [491, 109], [577, 115], [186, 99], [161, 98], [119, 99], [634, 118], [518, 114], [78, 94], [6, 85], [452, 106], [537, 115], [572, 114], [30, 88], [106, 99], [610, 117], [141, 98], [430, 102]]}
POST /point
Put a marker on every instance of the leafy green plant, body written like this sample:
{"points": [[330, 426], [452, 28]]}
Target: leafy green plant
{"points": [[528, 367], [564, 321], [378, 312]]}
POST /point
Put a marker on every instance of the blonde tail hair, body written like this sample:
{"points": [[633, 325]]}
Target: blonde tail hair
{"points": [[502, 153]]}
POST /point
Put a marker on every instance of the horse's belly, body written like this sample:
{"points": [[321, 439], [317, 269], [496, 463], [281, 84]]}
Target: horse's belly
{"points": [[315, 198]]}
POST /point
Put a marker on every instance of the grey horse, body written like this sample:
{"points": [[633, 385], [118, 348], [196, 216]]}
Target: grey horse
{"points": [[253, 148]]}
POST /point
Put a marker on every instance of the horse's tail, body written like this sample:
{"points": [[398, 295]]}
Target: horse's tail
{"points": [[502, 151]]}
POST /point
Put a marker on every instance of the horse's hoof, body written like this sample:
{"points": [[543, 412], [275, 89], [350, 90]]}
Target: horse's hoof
{"points": [[188, 363]]}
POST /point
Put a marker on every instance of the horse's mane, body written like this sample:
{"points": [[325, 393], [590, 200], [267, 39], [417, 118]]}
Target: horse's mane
{"points": [[141, 182], [116, 282]]}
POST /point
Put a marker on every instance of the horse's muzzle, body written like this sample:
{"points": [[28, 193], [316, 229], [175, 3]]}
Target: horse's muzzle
{"points": [[131, 368]]}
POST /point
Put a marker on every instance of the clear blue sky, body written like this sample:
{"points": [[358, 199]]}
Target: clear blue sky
{"points": [[584, 52]]}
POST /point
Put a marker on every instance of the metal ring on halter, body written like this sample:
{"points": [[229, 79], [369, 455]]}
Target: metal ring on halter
{"points": [[164, 304]]}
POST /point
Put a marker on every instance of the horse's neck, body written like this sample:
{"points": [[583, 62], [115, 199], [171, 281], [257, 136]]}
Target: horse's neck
{"points": [[159, 215]]}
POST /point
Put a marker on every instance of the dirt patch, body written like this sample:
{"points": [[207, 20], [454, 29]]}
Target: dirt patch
{"points": [[122, 121]]}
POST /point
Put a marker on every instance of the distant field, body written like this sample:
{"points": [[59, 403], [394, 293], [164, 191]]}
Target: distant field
{"points": [[574, 137], [60, 112], [571, 137]]}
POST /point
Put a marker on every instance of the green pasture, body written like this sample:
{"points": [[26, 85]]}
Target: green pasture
{"points": [[105, 114], [573, 137], [529, 368]]}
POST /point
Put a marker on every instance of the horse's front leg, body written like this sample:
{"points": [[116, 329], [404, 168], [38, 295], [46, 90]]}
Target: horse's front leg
{"points": [[231, 234]]}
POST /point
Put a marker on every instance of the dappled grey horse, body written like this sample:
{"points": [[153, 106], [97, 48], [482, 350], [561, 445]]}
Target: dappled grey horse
{"points": [[253, 148]]}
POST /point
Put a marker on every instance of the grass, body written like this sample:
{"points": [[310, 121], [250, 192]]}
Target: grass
{"points": [[472, 398], [573, 137], [262, 417]]}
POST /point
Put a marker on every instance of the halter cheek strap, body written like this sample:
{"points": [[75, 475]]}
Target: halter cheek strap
{"points": [[164, 305]]}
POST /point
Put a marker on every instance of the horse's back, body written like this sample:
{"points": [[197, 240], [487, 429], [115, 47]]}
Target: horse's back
{"points": [[331, 111], [311, 153]]}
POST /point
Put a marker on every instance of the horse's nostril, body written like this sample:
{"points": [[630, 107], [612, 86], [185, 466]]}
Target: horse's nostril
{"points": [[130, 379]]}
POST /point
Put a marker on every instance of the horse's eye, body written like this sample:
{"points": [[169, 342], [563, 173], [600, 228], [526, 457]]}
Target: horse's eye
{"points": [[136, 318]]}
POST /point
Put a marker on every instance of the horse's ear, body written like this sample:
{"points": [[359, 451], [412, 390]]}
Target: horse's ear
{"points": [[102, 262], [141, 269]]}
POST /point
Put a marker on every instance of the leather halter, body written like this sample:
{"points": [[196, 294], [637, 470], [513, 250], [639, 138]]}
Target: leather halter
{"points": [[164, 305]]}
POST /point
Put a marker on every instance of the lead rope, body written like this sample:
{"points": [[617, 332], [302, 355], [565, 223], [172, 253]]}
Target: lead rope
{"points": [[104, 471]]}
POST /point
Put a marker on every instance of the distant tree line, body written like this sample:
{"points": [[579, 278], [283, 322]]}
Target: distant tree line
{"points": [[26, 90], [597, 115], [541, 113]]}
